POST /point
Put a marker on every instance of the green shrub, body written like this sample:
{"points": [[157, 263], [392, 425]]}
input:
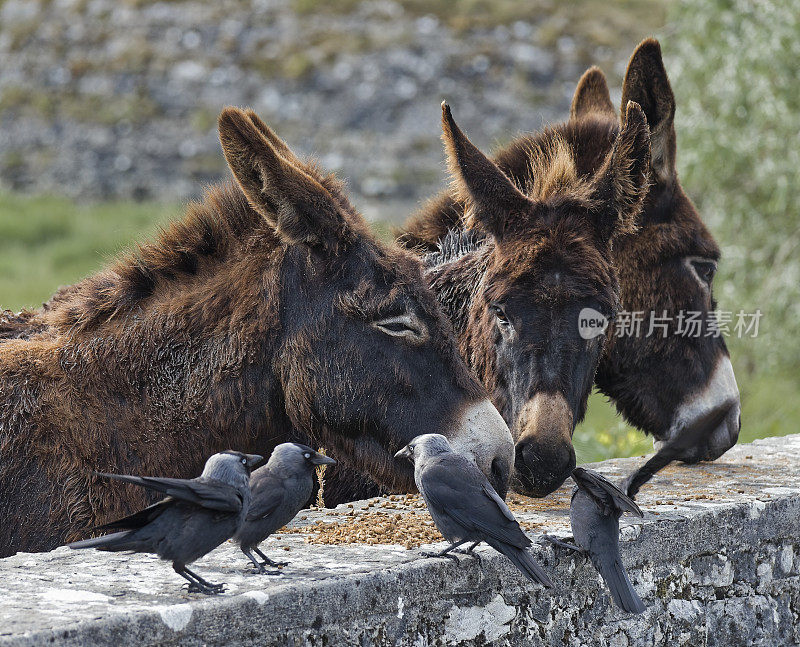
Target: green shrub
{"points": [[734, 67]]}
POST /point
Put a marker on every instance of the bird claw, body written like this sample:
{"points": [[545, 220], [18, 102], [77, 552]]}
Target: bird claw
{"points": [[263, 571], [269, 562], [446, 555], [555, 541], [210, 589], [470, 552]]}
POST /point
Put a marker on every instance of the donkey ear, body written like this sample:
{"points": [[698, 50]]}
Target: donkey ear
{"points": [[276, 142], [295, 204], [622, 182], [491, 197], [647, 84], [592, 96]]}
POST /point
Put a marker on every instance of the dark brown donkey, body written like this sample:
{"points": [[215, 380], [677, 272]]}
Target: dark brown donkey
{"points": [[680, 388], [268, 314], [515, 293]]}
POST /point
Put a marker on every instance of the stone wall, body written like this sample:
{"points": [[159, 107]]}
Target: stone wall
{"points": [[102, 98], [716, 559]]}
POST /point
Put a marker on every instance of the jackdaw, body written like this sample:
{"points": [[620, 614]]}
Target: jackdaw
{"points": [[279, 491], [597, 505], [196, 517], [464, 505], [674, 449]]}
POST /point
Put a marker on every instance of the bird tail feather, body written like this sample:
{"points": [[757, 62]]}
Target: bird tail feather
{"points": [[114, 542], [526, 563], [622, 591]]}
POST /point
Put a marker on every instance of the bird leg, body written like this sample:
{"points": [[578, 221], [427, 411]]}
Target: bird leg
{"points": [[259, 566], [197, 584], [446, 552], [470, 551], [268, 561], [563, 544], [467, 551]]}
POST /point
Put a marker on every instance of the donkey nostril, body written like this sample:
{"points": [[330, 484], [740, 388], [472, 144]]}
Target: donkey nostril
{"points": [[522, 456]]}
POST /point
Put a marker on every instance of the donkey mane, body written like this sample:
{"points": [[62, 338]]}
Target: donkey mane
{"points": [[455, 271], [208, 233], [552, 170], [21, 325], [455, 244]]}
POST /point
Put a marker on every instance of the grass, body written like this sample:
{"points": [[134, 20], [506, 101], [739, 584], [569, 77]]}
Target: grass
{"points": [[46, 242]]}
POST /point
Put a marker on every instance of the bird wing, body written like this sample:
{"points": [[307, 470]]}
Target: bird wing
{"points": [[138, 519], [268, 494], [489, 491], [458, 489], [211, 494], [604, 493]]}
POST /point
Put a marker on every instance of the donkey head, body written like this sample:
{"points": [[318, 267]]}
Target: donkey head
{"points": [[547, 257], [677, 383], [366, 359]]}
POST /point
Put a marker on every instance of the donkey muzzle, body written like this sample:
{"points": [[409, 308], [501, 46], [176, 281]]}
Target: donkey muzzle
{"points": [[481, 434], [544, 456], [707, 424]]}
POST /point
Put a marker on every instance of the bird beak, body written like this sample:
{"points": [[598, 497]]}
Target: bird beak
{"points": [[253, 460], [403, 453], [321, 459]]}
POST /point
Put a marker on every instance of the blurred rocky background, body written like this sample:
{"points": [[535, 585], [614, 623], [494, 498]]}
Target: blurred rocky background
{"points": [[119, 98], [108, 125]]}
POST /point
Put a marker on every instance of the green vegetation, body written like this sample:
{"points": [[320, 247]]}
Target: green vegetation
{"points": [[46, 242], [734, 71], [89, 108], [733, 67]]}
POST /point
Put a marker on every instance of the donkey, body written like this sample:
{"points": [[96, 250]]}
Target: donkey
{"points": [[514, 293], [268, 314], [679, 388]]}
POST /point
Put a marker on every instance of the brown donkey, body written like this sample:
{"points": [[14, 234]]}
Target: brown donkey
{"points": [[268, 314], [515, 293], [679, 388]]}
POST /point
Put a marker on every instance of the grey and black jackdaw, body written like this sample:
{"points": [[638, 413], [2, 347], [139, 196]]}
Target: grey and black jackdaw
{"points": [[196, 517], [597, 505], [464, 505], [279, 490], [677, 448]]}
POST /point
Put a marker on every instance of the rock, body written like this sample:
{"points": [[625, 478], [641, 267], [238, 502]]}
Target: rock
{"points": [[709, 571], [376, 71]]}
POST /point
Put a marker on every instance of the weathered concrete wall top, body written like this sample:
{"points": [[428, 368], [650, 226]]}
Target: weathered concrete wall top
{"points": [[716, 559]]}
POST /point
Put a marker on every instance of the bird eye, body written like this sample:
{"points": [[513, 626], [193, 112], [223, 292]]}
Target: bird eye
{"points": [[411, 448], [244, 461], [306, 455]]}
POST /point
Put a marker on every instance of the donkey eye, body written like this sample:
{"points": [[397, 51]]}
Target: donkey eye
{"points": [[704, 269], [500, 313], [405, 325]]}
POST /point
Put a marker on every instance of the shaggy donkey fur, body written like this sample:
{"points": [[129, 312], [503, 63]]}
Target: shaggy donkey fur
{"points": [[268, 314], [662, 384]]}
